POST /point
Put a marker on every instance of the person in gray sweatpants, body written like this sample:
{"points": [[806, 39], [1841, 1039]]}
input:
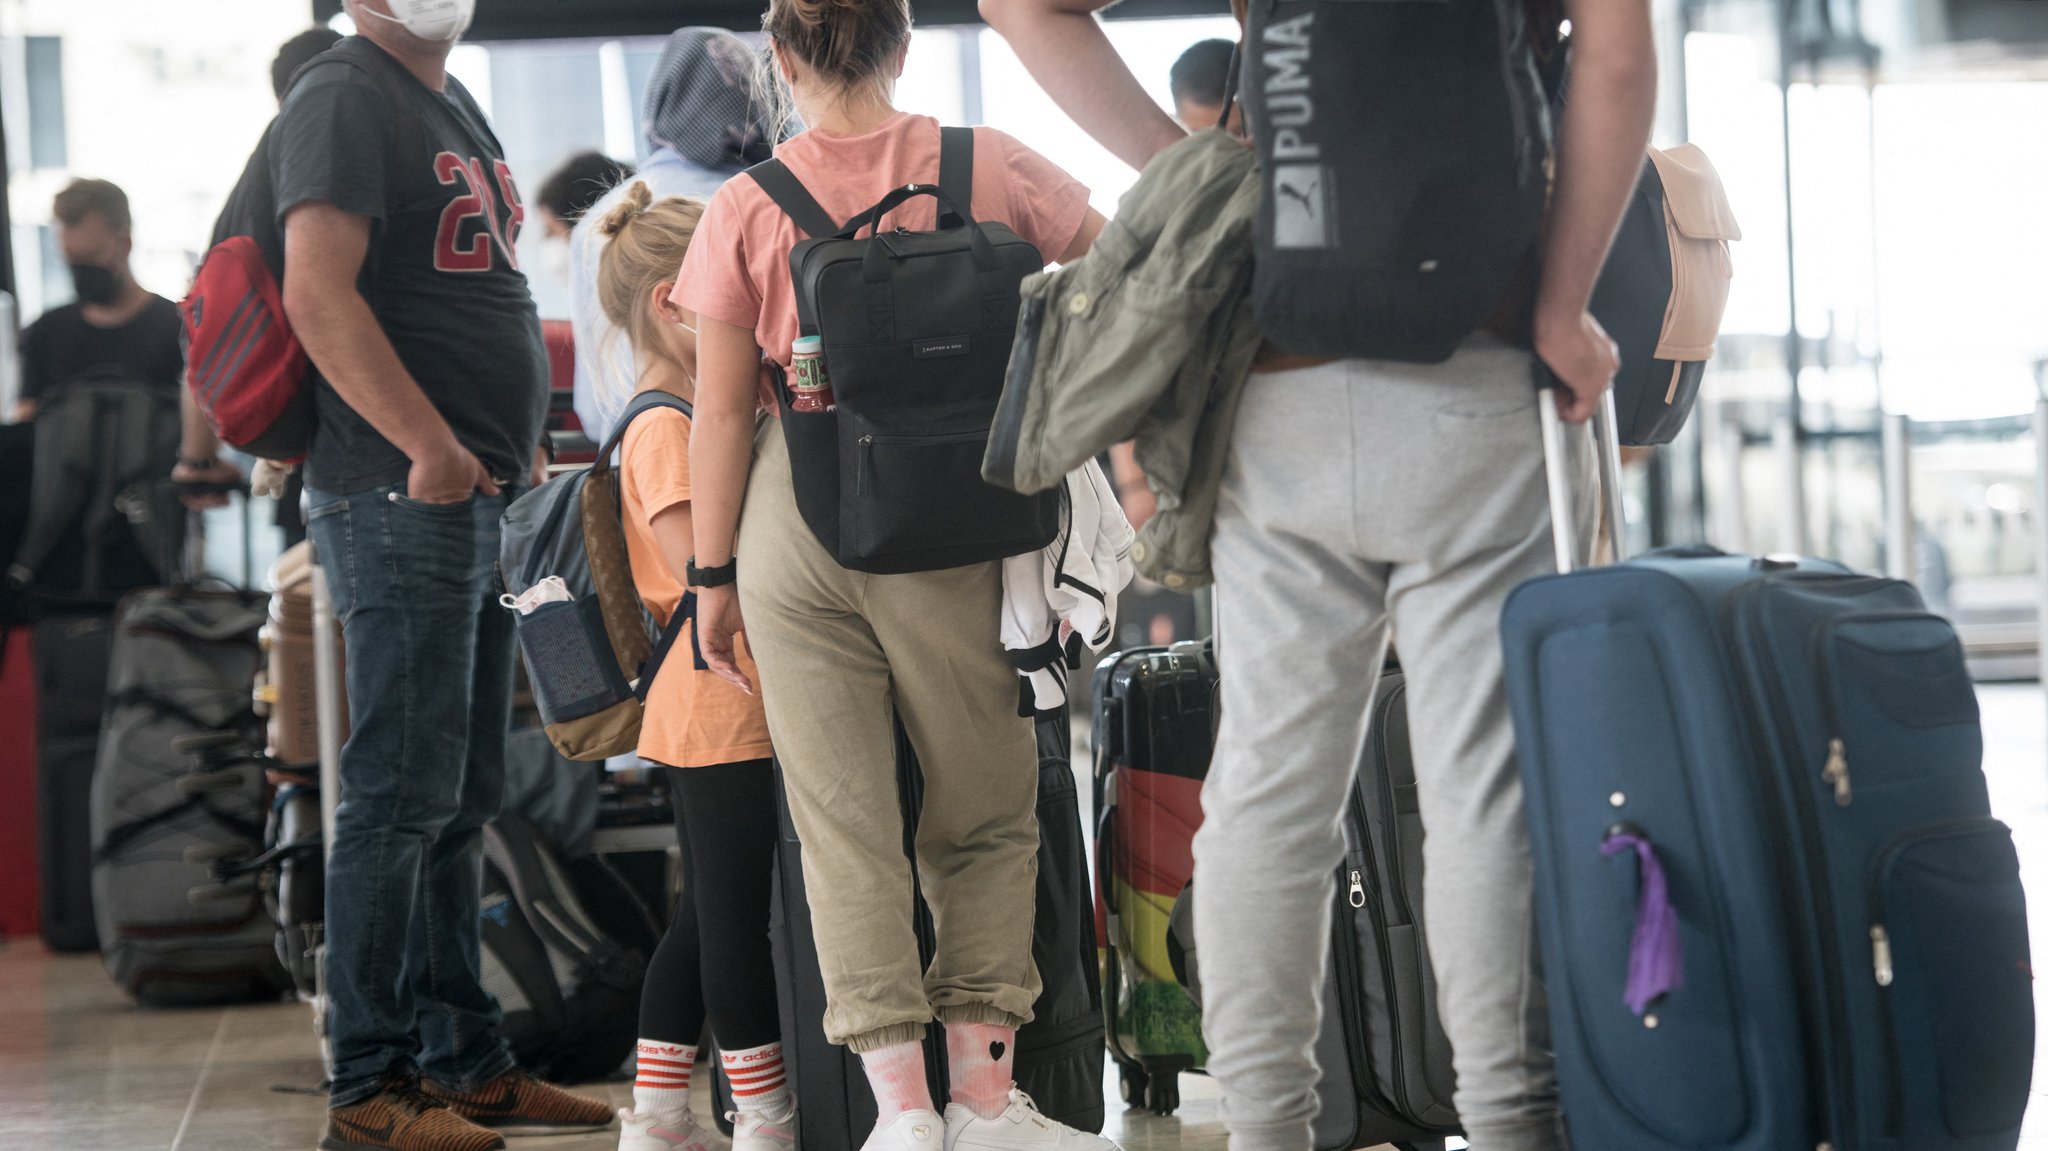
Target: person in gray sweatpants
{"points": [[1362, 499]]}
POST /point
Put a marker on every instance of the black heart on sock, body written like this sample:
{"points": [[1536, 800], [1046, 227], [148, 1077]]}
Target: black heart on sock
{"points": [[995, 1051]]}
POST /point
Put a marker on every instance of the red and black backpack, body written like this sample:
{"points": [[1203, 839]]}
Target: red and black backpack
{"points": [[246, 369]]}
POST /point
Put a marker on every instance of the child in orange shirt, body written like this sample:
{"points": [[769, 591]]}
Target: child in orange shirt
{"points": [[711, 736]]}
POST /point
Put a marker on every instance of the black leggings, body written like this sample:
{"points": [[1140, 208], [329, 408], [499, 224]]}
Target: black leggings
{"points": [[715, 960]]}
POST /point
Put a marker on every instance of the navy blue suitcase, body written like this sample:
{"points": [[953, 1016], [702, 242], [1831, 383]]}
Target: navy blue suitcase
{"points": [[1774, 909]]}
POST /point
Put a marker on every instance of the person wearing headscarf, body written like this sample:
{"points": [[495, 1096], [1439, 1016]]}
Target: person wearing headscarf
{"points": [[704, 126]]}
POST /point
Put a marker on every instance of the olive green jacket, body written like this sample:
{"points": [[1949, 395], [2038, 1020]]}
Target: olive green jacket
{"points": [[1148, 337]]}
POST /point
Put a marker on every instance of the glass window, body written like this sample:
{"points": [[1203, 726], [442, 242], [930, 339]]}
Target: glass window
{"points": [[44, 60]]}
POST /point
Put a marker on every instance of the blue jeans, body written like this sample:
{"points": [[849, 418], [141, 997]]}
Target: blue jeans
{"points": [[430, 694]]}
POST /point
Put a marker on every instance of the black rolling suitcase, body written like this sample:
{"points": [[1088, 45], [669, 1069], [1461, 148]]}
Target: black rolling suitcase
{"points": [[1059, 1054], [1386, 1065], [71, 657]]}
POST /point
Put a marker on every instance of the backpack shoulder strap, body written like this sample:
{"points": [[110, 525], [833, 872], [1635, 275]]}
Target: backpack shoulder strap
{"points": [[643, 402], [793, 198], [956, 172]]}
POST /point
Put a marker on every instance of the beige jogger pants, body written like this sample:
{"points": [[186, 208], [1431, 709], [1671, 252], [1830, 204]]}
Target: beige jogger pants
{"points": [[839, 652]]}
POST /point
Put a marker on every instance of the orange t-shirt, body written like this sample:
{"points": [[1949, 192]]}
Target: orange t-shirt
{"points": [[737, 266], [692, 718]]}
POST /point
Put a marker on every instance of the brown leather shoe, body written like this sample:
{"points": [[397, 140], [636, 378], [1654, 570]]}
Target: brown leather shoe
{"points": [[401, 1117], [518, 1104]]}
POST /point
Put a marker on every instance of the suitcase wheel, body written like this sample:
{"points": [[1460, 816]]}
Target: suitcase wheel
{"points": [[1158, 1083], [1162, 1094], [1133, 1080]]}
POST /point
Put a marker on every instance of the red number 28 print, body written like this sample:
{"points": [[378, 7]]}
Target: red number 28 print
{"points": [[480, 201]]}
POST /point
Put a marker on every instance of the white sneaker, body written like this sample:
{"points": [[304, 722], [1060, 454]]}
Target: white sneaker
{"points": [[656, 1132], [752, 1131], [910, 1131], [1019, 1128]]}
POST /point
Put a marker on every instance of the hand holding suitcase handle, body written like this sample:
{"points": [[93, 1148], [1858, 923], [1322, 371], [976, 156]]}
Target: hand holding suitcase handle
{"points": [[1607, 443]]}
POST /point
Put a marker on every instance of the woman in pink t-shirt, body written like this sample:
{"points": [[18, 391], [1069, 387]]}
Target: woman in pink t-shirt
{"points": [[841, 653]]}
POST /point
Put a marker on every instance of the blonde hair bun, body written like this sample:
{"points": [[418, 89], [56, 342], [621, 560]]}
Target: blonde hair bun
{"points": [[638, 199]]}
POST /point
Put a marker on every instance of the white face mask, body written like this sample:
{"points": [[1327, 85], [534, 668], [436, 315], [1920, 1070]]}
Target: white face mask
{"points": [[438, 20], [554, 259]]}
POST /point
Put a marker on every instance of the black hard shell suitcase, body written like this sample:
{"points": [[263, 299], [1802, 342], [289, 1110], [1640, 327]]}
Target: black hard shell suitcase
{"points": [[1774, 907], [1385, 1062], [1059, 1054], [71, 658]]}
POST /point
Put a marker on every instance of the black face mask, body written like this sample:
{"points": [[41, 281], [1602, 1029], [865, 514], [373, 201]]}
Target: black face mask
{"points": [[94, 284]]}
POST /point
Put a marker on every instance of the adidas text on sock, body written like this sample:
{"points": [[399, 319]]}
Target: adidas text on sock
{"points": [[661, 1081], [759, 1085]]}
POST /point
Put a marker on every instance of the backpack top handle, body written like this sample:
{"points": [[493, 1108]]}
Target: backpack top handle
{"points": [[956, 176], [875, 262]]}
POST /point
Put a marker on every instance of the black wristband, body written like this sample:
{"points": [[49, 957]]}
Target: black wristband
{"points": [[719, 576]]}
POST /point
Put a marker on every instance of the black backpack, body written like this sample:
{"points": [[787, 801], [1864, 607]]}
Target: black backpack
{"points": [[917, 328], [569, 988], [103, 518], [1403, 151]]}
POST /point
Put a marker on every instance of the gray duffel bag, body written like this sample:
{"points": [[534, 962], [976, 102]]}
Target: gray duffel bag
{"points": [[178, 795]]}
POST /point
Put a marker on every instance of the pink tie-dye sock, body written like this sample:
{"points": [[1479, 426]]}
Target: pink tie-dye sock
{"points": [[981, 1058], [897, 1074]]}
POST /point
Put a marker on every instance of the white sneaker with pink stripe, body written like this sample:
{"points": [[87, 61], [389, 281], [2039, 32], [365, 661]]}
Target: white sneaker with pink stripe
{"points": [[646, 1131]]}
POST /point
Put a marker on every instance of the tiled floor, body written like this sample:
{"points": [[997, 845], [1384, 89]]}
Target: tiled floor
{"points": [[83, 1070]]}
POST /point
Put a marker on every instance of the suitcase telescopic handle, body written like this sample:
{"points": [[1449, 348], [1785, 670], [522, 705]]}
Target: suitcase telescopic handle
{"points": [[1562, 485]]}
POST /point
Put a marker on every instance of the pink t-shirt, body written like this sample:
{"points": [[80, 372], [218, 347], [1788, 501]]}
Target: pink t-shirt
{"points": [[737, 267]]}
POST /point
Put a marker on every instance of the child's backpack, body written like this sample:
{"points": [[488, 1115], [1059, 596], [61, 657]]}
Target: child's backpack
{"points": [[589, 644], [1664, 290], [917, 328], [1403, 149], [248, 372]]}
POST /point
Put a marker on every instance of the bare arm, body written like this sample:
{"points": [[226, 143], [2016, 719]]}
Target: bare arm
{"points": [[1606, 127], [1091, 227], [1066, 51], [324, 252], [721, 452], [197, 442]]}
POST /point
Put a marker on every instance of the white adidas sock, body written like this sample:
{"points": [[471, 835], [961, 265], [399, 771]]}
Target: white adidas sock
{"points": [[759, 1085], [661, 1081]]}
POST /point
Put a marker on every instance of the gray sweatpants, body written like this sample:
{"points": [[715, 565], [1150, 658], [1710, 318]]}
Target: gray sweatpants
{"points": [[1362, 499]]}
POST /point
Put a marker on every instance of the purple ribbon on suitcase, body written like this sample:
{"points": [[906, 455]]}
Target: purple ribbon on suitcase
{"points": [[1656, 963]]}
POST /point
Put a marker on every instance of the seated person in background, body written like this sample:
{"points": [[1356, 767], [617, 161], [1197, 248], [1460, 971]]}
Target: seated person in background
{"points": [[114, 323], [1199, 79]]}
